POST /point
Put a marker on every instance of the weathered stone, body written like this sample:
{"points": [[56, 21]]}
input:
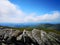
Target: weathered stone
{"points": [[34, 37]]}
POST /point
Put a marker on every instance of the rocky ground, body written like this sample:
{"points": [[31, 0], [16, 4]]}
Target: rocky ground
{"points": [[34, 37]]}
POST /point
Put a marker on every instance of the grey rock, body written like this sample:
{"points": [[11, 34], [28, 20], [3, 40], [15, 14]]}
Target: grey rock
{"points": [[34, 37]]}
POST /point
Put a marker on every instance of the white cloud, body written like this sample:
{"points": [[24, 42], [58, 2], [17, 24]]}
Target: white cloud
{"points": [[54, 17], [9, 12]]}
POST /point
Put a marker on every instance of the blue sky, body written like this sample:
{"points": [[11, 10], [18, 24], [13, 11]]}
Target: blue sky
{"points": [[38, 6], [25, 11]]}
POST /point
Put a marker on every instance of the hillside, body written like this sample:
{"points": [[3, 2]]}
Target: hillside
{"points": [[33, 25], [37, 34], [47, 27]]}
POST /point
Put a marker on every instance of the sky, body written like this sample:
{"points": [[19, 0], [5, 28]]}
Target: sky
{"points": [[28, 11]]}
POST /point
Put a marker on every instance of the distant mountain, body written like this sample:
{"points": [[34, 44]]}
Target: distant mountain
{"points": [[49, 26], [18, 25], [46, 26]]}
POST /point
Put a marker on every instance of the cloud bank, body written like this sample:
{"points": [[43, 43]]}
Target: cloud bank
{"points": [[10, 12]]}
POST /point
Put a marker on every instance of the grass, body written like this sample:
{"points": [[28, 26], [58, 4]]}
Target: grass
{"points": [[30, 29]]}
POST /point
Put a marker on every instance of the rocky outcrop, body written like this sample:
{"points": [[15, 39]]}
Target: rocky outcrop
{"points": [[34, 37]]}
